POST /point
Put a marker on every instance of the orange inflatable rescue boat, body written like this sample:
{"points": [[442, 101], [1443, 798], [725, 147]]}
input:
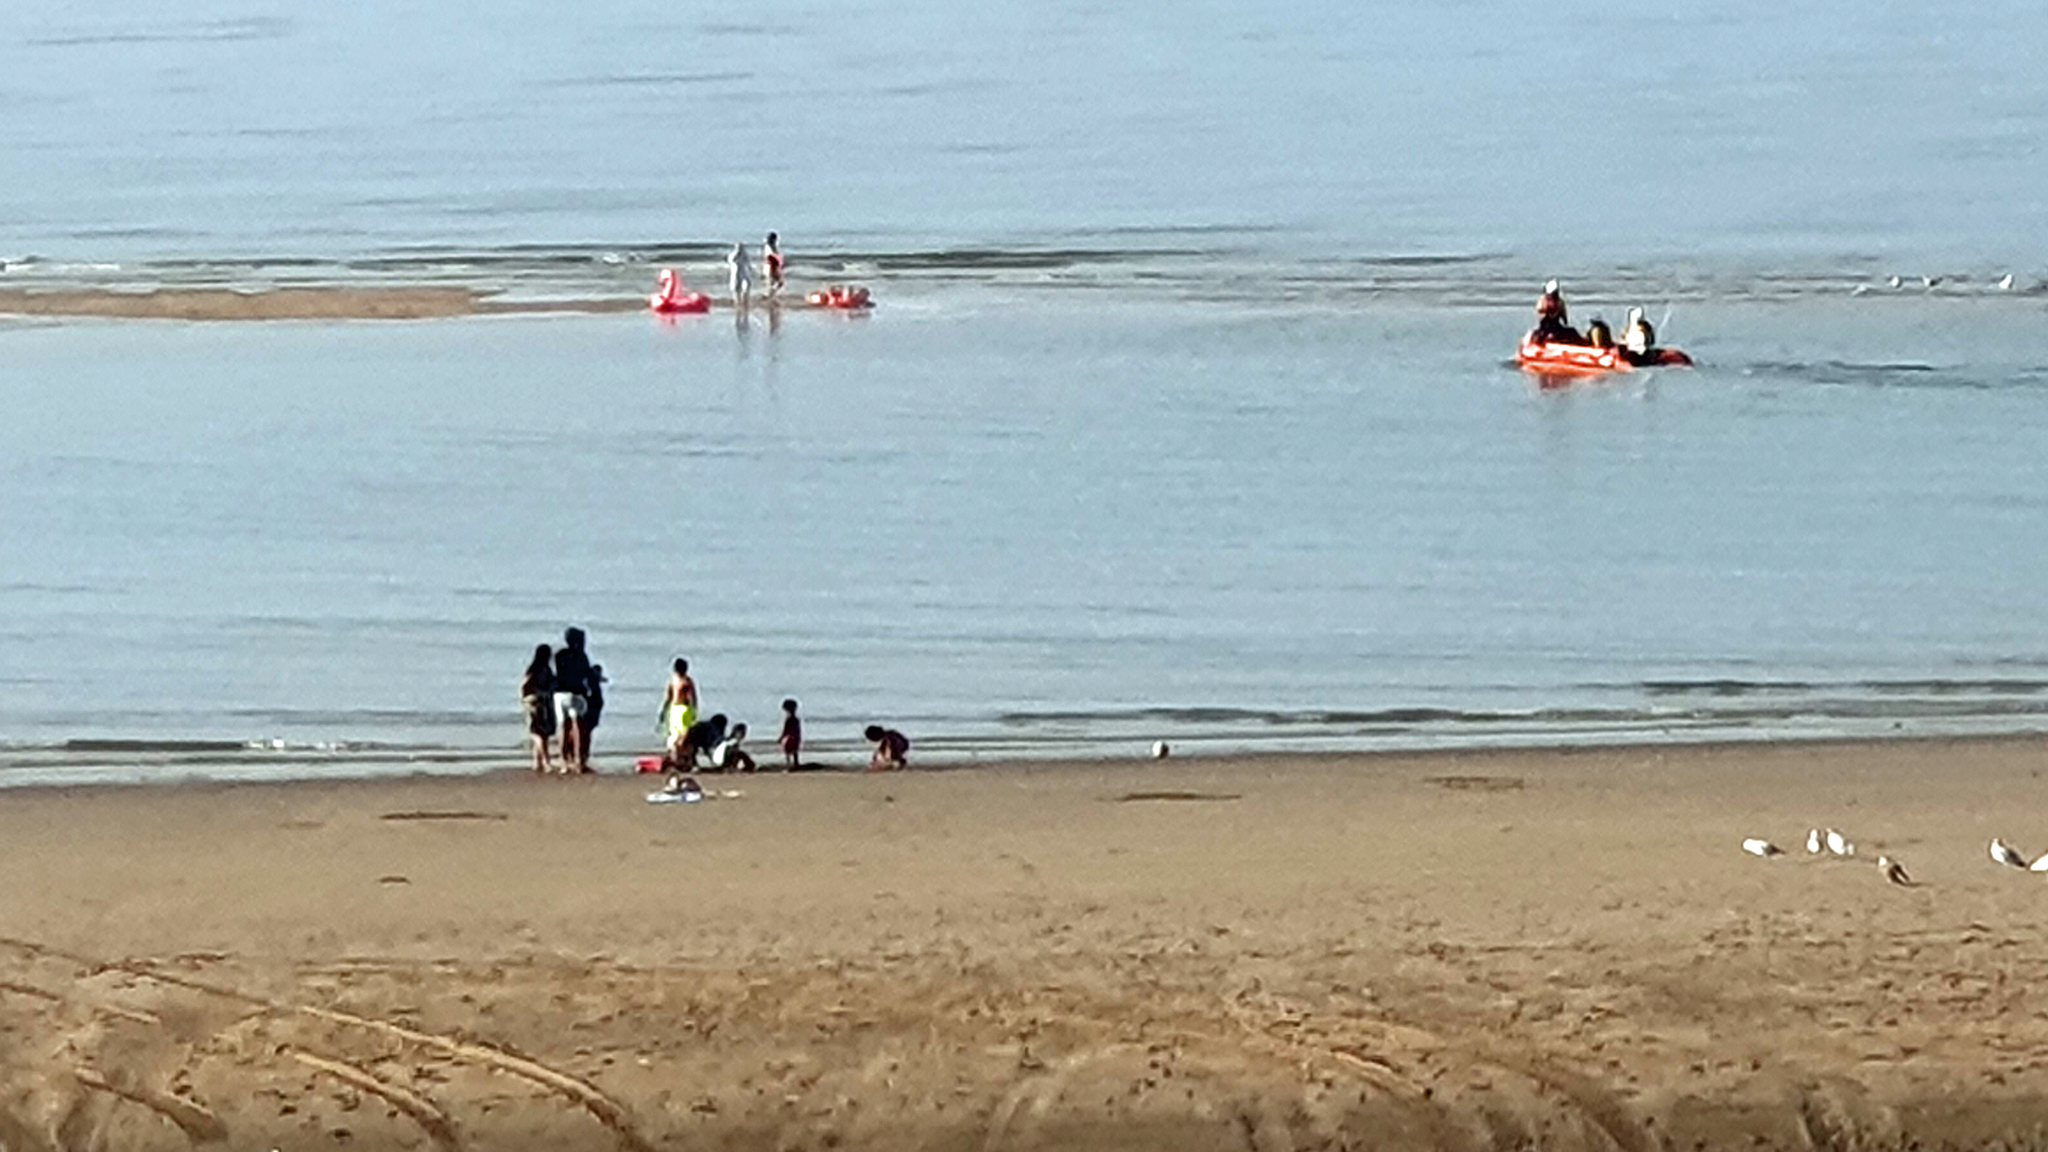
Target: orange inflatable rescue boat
{"points": [[846, 297], [1548, 359], [673, 299]]}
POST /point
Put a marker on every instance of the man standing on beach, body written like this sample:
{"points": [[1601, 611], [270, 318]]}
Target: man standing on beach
{"points": [[572, 700]]}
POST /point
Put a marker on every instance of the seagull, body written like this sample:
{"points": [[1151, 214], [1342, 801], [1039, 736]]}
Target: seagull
{"points": [[1894, 871], [1839, 844], [2005, 853], [1813, 841], [1762, 848], [1929, 282], [2005, 285]]}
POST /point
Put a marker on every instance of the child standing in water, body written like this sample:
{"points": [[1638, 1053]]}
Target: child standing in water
{"points": [[771, 266], [792, 739], [742, 276]]}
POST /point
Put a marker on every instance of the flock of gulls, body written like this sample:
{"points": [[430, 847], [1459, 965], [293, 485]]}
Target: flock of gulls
{"points": [[1833, 843], [2006, 283]]}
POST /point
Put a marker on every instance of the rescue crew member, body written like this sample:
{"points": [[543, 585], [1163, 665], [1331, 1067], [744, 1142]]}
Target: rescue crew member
{"points": [[1598, 334], [1552, 325], [1638, 337]]}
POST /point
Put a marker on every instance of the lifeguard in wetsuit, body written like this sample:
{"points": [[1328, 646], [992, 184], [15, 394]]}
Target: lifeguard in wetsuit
{"points": [[1552, 325]]}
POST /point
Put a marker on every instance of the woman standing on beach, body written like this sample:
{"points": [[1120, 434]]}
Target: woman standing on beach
{"points": [[679, 711], [537, 696]]}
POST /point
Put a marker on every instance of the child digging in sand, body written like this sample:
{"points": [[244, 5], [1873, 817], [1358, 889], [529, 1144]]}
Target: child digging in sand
{"points": [[892, 749], [728, 755]]}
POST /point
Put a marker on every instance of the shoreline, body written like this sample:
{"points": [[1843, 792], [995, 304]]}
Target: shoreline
{"points": [[1563, 948], [513, 764]]}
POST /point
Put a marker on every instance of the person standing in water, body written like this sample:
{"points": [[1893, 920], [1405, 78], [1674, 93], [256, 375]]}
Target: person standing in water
{"points": [[772, 266], [741, 278]]}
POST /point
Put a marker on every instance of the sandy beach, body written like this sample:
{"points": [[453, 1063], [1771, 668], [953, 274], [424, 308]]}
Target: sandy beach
{"points": [[1561, 949]]}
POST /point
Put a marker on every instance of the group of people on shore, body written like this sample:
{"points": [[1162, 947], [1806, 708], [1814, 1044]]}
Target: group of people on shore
{"points": [[1553, 326], [562, 693]]}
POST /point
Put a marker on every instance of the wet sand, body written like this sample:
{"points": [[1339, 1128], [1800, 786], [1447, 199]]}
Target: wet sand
{"points": [[1459, 951]]}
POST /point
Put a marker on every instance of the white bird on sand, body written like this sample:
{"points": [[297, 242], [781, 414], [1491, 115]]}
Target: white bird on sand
{"points": [[2006, 854], [1894, 871], [1813, 841], [1762, 848], [1839, 844]]}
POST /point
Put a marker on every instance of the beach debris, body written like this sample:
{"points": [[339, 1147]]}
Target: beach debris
{"points": [[2006, 854], [1813, 841], [1159, 749], [437, 815], [1761, 848], [679, 790], [1839, 844], [1894, 871], [1142, 797]]}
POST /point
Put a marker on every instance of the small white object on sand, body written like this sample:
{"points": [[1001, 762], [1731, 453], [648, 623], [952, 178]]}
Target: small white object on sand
{"points": [[1761, 848], [2040, 865], [1813, 841], [1839, 844], [1894, 871], [2006, 854], [1159, 750]]}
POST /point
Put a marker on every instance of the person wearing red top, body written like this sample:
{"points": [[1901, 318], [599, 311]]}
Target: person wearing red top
{"points": [[772, 265], [1552, 325]]}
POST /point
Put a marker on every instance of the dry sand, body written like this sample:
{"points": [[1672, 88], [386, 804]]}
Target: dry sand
{"points": [[1461, 951]]}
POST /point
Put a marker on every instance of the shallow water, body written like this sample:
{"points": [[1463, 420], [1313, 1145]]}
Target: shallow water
{"points": [[1040, 528], [1185, 413]]}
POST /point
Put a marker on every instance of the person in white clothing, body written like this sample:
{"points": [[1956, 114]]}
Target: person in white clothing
{"points": [[742, 278], [728, 756]]}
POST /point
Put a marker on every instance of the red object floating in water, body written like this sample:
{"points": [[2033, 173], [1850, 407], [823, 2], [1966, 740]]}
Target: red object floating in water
{"points": [[842, 296], [1568, 360], [674, 299]]}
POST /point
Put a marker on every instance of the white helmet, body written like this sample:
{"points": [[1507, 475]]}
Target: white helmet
{"points": [[1634, 314], [1550, 288]]}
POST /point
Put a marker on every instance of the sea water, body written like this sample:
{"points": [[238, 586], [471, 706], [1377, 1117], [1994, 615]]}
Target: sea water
{"points": [[1186, 412]]}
